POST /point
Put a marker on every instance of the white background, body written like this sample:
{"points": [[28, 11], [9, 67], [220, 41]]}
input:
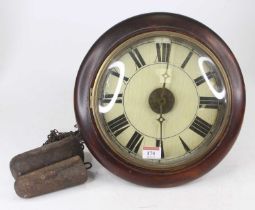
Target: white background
{"points": [[42, 44]]}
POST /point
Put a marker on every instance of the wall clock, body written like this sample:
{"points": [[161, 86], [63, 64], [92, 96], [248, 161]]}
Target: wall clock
{"points": [[159, 99]]}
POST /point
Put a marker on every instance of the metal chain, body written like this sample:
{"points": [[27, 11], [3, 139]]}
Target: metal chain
{"points": [[55, 135]]}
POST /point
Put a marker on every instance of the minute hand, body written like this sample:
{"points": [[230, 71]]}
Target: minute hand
{"points": [[161, 119]]}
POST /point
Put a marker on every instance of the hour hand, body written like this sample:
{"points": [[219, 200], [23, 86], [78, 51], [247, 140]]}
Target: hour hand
{"points": [[166, 76]]}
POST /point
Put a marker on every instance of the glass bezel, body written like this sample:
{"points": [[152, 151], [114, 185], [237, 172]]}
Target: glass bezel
{"points": [[171, 165]]}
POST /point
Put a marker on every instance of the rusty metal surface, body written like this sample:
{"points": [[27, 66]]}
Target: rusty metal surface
{"points": [[63, 174], [46, 155]]}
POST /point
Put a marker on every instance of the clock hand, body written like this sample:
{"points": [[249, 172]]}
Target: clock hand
{"points": [[165, 76], [161, 119]]}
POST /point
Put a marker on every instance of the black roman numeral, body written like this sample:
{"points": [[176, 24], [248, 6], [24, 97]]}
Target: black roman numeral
{"points": [[200, 80], [200, 127], [160, 144], [185, 146], [135, 142], [108, 97], [116, 74], [157, 142], [163, 52], [138, 59], [118, 125], [186, 59], [209, 102]]}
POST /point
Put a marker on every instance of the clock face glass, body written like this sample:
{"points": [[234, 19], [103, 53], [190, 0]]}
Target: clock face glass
{"points": [[160, 100]]}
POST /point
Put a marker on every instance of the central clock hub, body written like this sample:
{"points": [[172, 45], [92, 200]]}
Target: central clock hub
{"points": [[161, 100]]}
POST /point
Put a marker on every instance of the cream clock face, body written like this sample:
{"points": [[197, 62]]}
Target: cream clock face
{"points": [[159, 100]]}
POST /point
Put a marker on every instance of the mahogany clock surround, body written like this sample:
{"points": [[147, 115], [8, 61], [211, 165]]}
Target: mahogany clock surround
{"points": [[88, 72]]}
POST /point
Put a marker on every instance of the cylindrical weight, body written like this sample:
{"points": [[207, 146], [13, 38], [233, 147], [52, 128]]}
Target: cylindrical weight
{"points": [[63, 174], [46, 155]]}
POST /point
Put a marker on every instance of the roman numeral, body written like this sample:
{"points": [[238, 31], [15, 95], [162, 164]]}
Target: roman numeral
{"points": [[186, 59], [163, 52], [185, 146], [200, 80], [157, 142], [160, 144], [135, 142], [116, 74], [209, 102], [200, 127], [138, 59], [108, 97], [118, 125]]}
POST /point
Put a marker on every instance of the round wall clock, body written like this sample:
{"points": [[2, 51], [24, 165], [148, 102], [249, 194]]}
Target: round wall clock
{"points": [[159, 99]]}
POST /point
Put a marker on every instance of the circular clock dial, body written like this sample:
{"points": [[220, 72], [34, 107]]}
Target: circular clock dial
{"points": [[159, 100]]}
